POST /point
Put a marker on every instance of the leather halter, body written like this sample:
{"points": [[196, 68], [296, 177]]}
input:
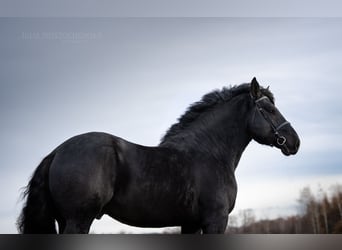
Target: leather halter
{"points": [[281, 140]]}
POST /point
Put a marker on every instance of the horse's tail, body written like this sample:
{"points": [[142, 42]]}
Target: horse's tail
{"points": [[37, 215]]}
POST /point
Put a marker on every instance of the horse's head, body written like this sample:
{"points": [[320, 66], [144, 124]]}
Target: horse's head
{"points": [[268, 126]]}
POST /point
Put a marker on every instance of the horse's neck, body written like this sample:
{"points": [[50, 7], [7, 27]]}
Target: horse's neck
{"points": [[221, 135]]}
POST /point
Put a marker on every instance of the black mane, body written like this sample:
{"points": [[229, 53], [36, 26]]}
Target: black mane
{"points": [[208, 102]]}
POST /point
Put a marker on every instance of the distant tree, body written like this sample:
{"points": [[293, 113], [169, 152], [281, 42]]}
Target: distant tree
{"points": [[324, 206], [308, 208], [337, 228], [319, 213], [233, 224], [305, 198], [247, 218], [337, 193]]}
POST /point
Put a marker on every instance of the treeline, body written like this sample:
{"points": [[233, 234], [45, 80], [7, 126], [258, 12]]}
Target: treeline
{"points": [[317, 214]]}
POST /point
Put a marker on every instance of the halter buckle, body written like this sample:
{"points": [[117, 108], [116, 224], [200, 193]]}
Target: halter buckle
{"points": [[281, 140]]}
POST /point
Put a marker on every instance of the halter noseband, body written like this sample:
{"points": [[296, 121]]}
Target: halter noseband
{"points": [[281, 140]]}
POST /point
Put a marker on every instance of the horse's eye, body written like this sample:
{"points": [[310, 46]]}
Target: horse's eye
{"points": [[270, 110]]}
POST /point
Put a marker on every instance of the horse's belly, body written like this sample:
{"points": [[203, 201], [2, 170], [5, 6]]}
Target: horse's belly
{"points": [[150, 214]]}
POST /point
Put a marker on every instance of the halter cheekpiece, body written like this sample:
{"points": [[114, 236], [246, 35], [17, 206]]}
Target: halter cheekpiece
{"points": [[281, 140]]}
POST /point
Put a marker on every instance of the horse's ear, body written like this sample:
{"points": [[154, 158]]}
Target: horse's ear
{"points": [[255, 88]]}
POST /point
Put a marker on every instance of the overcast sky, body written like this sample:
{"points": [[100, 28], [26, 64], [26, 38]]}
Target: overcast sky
{"points": [[174, 8], [134, 77]]}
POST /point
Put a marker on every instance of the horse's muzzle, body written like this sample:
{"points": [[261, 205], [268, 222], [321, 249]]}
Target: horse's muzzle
{"points": [[290, 148]]}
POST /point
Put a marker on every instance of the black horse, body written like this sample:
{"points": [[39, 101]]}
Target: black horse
{"points": [[188, 180]]}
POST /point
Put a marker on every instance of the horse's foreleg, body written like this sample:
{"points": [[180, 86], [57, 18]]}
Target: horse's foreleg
{"points": [[190, 229], [215, 225], [77, 226]]}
